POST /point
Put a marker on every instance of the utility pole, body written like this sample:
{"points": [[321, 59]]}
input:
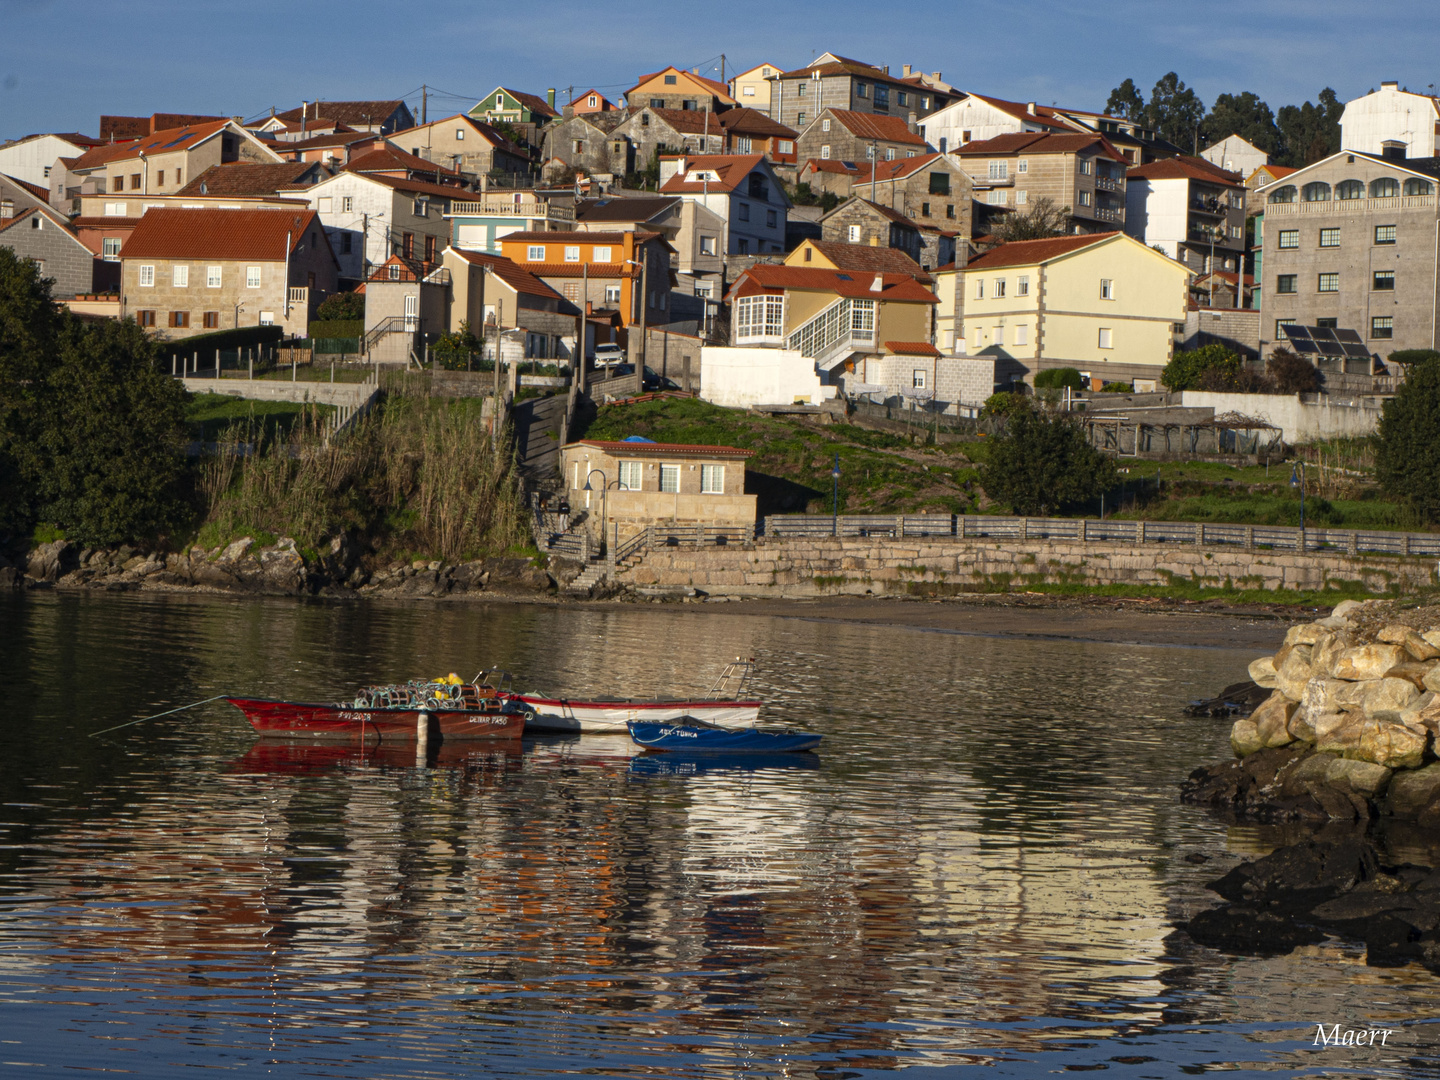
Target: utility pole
{"points": [[874, 166], [722, 68], [424, 103]]}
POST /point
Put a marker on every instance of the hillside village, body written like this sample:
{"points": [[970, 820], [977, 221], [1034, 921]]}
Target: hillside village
{"points": [[781, 235]]}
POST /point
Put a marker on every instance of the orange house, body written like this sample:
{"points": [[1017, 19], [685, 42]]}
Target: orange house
{"points": [[676, 88], [599, 271]]}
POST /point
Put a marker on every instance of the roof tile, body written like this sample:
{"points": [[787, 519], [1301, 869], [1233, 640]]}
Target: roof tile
{"points": [[219, 234]]}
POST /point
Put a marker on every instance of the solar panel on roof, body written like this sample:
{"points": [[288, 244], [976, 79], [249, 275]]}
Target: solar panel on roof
{"points": [[1331, 348], [1349, 336]]}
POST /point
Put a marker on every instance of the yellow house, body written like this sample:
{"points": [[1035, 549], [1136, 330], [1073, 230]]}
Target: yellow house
{"points": [[676, 88], [1105, 304], [752, 88]]}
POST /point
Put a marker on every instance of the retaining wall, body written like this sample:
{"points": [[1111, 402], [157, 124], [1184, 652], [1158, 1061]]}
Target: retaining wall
{"points": [[867, 565], [351, 395]]}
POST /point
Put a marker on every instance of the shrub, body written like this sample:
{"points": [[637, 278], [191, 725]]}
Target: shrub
{"points": [[1184, 371], [1407, 447], [1005, 403], [337, 328], [345, 305], [1222, 380], [1412, 356], [1043, 464], [1117, 388], [1294, 374], [1059, 378]]}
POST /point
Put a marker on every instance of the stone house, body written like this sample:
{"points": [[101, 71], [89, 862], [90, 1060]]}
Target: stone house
{"points": [[860, 221], [678, 89], [464, 145], [186, 272], [846, 135], [837, 82], [749, 131], [930, 189], [634, 484], [1081, 171], [1349, 242], [740, 190], [648, 132], [1194, 211], [42, 234], [1105, 304], [584, 142], [372, 117]]}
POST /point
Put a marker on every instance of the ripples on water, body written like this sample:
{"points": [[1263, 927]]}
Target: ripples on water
{"points": [[981, 867]]}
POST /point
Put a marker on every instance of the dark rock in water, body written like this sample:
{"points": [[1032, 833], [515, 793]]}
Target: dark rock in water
{"points": [[1244, 698], [1251, 931], [1297, 878], [1255, 788], [1197, 858]]}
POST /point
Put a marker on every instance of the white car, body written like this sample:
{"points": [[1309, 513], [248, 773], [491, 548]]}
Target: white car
{"points": [[606, 355]]}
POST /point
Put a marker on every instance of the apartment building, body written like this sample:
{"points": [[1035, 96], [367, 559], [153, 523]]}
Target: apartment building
{"points": [[615, 271], [1081, 171], [837, 82], [741, 190], [1351, 242], [1193, 210]]}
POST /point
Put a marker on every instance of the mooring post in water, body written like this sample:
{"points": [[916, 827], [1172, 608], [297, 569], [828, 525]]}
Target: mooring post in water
{"points": [[422, 738]]}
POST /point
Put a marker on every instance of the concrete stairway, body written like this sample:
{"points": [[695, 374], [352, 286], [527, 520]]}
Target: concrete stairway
{"points": [[537, 436]]}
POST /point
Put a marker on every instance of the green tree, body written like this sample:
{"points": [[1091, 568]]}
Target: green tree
{"points": [[1242, 114], [27, 327], [1005, 403], [1059, 378], [1175, 111], [1293, 374], [1186, 370], [1126, 102], [1043, 464], [1043, 219], [1412, 356], [340, 307], [1310, 132], [1407, 447]]}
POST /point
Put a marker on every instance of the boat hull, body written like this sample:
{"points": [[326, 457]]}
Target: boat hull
{"points": [[333, 723], [611, 716], [705, 739]]}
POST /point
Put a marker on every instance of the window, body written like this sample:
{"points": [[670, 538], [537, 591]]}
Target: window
{"points": [[345, 241], [1329, 237], [670, 478], [394, 272], [825, 152], [1285, 284], [1084, 198], [535, 253], [600, 255], [800, 90], [347, 204], [110, 249], [212, 277], [1022, 335], [924, 209], [1105, 338], [119, 184], [1285, 194], [612, 294], [1289, 238], [1387, 187], [917, 378], [1280, 324], [1086, 167], [572, 252], [784, 146], [965, 137], [1319, 191], [1350, 189], [979, 288], [743, 144], [1328, 283], [852, 234], [1107, 289], [770, 219], [669, 80], [252, 277], [134, 181], [869, 153], [1384, 234], [1022, 166], [744, 211], [882, 96], [499, 101], [267, 318], [180, 319], [861, 90], [704, 289], [1382, 327], [901, 98], [950, 209], [1022, 285], [145, 318], [1330, 323], [1416, 186], [160, 178], [712, 479], [825, 124], [180, 276], [743, 246], [1384, 281], [999, 170], [999, 288], [632, 474], [147, 277], [889, 153], [1236, 232], [211, 320], [760, 316], [999, 338], [117, 209], [800, 118], [939, 182], [572, 290], [996, 197], [707, 245]]}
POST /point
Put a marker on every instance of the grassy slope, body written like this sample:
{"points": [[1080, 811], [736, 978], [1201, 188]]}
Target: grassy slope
{"points": [[208, 415]]}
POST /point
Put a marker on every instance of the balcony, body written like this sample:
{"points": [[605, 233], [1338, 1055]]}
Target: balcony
{"points": [[299, 297], [1211, 207], [1103, 213], [528, 208], [1105, 183], [1351, 206]]}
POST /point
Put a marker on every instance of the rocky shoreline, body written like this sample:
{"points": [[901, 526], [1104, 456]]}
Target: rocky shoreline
{"points": [[278, 569]]}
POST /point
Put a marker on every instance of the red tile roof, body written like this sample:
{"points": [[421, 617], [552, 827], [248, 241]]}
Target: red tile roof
{"points": [[690, 449], [169, 140], [719, 89], [869, 126], [1276, 172], [244, 178], [732, 169], [1037, 142], [1043, 114], [864, 257], [912, 348], [884, 211], [33, 189], [592, 270], [897, 169], [393, 159], [580, 237], [1185, 168], [417, 187], [514, 275], [1029, 252], [259, 235], [841, 66], [831, 165], [690, 121], [355, 113], [97, 156], [767, 278], [753, 122]]}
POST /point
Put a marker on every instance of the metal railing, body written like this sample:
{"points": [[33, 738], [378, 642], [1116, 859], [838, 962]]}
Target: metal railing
{"points": [[529, 208], [1083, 530], [395, 324], [836, 328]]}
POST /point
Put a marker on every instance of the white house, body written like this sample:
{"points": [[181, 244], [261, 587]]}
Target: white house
{"points": [[1391, 115], [739, 189], [31, 158], [974, 119], [1237, 155], [394, 216]]}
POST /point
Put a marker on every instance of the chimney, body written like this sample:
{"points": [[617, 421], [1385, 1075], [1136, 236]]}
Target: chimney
{"points": [[304, 107], [906, 71], [886, 69], [550, 97], [936, 76], [910, 124], [1030, 107], [1393, 150], [878, 285], [1389, 86]]}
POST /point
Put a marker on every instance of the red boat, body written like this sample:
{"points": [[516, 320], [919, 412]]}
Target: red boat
{"points": [[443, 709]]}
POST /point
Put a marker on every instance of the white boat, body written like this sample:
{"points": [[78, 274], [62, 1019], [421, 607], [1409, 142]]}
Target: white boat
{"points": [[723, 705]]}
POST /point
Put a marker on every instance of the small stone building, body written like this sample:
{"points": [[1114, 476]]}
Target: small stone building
{"points": [[647, 483]]}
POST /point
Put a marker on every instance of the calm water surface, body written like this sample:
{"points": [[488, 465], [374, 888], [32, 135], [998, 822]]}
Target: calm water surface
{"points": [[979, 872]]}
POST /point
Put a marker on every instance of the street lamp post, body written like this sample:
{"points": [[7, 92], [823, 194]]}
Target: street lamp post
{"points": [[1297, 480], [835, 497], [604, 483]]}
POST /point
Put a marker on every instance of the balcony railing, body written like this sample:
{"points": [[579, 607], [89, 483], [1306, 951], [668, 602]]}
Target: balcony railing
{"points": [[299, 295], [1104, 214], [528, 208], [1351, 206], [1105, 183]]}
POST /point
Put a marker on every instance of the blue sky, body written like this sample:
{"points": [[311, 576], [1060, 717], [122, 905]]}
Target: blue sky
{"points": [[64, 62]]}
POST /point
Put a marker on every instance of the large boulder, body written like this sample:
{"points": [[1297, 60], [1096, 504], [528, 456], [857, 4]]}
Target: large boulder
{"points": [[1390, 744], [1414, 792], [1293, 671], [1305, 634], [1245, 738], [52, 561], [1295, 879], [1323, 656], [1262, 671], [1387, 698], [1363, 778], [1372, 661], [1272, 720], [283, 566]]}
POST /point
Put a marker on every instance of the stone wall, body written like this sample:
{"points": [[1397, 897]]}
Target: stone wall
{"points": [[868, 565]]}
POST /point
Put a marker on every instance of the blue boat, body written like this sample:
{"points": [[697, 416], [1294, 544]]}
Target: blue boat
{"points": [[698, 737]]}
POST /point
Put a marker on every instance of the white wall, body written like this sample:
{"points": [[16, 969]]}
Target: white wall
{"points": [[376, 200], [1389, 114], [1156, 212], [31, 160], [1299, 421], [983, 121], [1237, 155], [739, 378]]}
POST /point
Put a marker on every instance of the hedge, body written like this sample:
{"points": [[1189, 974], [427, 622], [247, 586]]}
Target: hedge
{"points": [[244, 337], [337, 328]]}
